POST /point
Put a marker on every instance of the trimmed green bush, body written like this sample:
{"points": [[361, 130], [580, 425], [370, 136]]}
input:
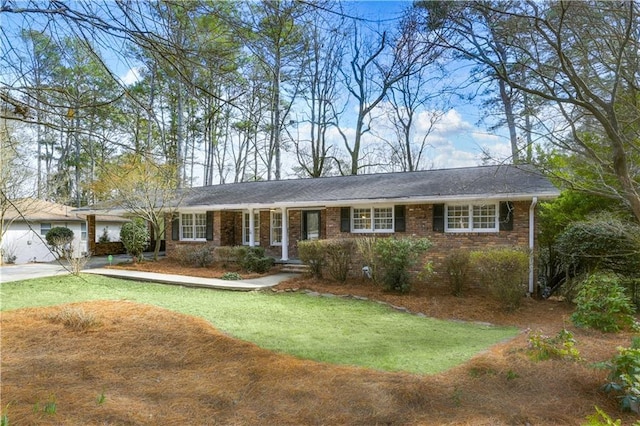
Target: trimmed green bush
{"points": [[254, 260], [200, 256], [231, 276], [603, 304], [338, 258], [458, 265], [60, 239], [135, 237], [312, 254], [396, 257], [504, 273]]}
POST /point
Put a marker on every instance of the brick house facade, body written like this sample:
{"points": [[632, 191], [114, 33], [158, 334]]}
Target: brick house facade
{"points": [[472, 208]]}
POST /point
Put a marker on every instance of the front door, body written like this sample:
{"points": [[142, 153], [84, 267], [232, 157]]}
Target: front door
{"points": [[310, 224]]}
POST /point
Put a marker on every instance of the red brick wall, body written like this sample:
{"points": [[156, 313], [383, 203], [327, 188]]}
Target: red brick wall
{"points": [[419, 222]]}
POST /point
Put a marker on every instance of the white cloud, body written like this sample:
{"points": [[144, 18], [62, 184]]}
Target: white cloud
{"points": [[132, 76]]}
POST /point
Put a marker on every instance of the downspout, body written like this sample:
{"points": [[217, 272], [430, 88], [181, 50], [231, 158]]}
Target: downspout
{"points": [[532, 240]]}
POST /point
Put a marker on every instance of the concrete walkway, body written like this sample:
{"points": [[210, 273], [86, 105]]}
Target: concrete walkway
{"points": [[187, 281], [96, 265]]}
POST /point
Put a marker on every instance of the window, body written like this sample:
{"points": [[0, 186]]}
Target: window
{"points": [[193, 226], [44, 228], [276, 228], [472, 217], [83, 231], [256, 228], [372, 219]]}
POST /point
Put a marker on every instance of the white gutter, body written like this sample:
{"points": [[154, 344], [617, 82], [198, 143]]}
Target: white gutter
{"points": [[532, 236]]}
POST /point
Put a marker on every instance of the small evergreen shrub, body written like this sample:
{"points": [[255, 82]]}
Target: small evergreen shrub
{"points": [[312, 254], [396, 258], [254, 260], [104, 238], [231, 276], [135, 236], [624, 377], [458, 265], [603, 304], [562, 346], [338, 258], [504, 273], [60, 239]]}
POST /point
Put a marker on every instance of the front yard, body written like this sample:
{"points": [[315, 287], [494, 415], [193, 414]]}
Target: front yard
{"points": [[142, 363]]}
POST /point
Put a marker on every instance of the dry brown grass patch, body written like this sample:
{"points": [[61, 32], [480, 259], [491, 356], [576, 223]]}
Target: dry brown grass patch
{"points": [[158, 367]]}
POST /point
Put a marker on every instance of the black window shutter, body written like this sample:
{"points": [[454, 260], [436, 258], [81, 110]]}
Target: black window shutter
{"points": [[209, 226], [399, 216], [345, 219], [506, 216], [438, 218], [175, 228]]}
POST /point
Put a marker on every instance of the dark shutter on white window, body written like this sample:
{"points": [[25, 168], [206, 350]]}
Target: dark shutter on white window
{"points": [[209, 226], [345, 219], [438, 218], [399, 216], [506, 216], [175, 228]]}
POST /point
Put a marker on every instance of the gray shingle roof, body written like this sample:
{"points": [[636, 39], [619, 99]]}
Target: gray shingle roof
{"points": [[492, 182]]}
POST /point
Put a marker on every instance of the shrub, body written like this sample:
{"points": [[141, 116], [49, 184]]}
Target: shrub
{"points": [[602, 304], [603, 243], [254, 260], [312, 254], [624, 377], [200, 256], [60, 239], [504, 272], [104, 238], [338, 258], [231, 276], [458, 264], [227, 254], [559, 347], [397, 256], [75, 319], [134, 236]]}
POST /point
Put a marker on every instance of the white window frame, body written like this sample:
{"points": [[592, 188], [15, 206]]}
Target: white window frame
{"points": [[471, 226], [194, 226], [372, 220], [83, 231], [273, 217], [44, 229], [256, 228]]}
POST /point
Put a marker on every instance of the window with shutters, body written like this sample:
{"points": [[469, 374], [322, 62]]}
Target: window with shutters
{"points": [[372, 219], [471, 217], [193, 226]]}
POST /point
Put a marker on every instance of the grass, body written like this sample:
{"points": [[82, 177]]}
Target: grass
{"points": [[333, 330]]}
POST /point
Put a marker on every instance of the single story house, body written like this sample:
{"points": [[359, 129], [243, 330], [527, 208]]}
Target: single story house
{"points": [[25, 227], [472, 207]]}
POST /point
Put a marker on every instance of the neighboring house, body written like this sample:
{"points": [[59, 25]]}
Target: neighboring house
{"points": [[475, 208], [25, 228]]}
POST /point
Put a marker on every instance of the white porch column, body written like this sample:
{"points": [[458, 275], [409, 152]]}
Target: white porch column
{"points": [[252, 236], [285, 234]]}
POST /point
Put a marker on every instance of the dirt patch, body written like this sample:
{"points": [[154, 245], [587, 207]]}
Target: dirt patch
{"points": [[146, 365]]}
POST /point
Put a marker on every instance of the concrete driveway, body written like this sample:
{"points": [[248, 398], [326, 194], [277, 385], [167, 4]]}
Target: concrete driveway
{"points": [[27, 271]]}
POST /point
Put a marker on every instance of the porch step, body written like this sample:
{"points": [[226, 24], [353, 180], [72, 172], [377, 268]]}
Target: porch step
{"points": [[298, 268]]}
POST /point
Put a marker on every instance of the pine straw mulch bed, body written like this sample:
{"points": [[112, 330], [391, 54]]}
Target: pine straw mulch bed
{"points": [[155, 366]]}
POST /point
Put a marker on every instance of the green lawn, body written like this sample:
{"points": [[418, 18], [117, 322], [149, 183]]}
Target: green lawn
{"points": [[334, 330]]}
